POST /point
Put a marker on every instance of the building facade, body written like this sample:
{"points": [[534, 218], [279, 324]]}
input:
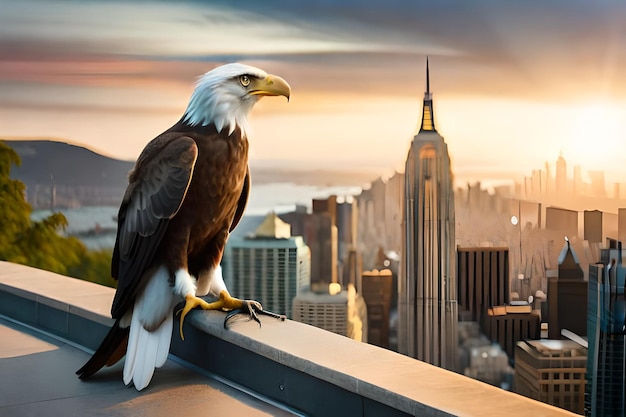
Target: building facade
{"points": [[377, 288], [271, 267], [605, 392], [343, 312], [567, 293], [508, 329], [551, 371], [482, 280], [427, 301], [562, 220]]}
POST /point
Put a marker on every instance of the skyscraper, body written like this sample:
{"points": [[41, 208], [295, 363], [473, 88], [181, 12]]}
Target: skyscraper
{"points": [[272, 266], [377, 287], [321, 230], [482, 280], [427, 305], [567, 294], [605, 392]]}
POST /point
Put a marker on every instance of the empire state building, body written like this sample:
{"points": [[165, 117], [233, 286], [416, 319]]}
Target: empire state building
{"points": [[427, 301]]}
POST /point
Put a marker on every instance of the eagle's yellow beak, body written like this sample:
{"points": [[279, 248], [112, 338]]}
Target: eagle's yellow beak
{"points": [[272, 85]]}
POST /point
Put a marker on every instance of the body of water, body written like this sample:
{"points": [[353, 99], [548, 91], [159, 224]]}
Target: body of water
{"points": [[283, 197], [96, 226]]}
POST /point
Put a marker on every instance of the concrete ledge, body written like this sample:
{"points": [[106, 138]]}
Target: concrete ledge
{"points": [[76, 310], [308, 369]]}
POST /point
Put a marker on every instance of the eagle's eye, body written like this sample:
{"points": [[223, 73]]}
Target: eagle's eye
{"points": [[244, 80]]}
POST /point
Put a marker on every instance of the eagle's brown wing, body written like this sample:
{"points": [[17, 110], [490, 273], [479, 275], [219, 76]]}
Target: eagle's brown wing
{"points": [[243, 201], [156, 190]]}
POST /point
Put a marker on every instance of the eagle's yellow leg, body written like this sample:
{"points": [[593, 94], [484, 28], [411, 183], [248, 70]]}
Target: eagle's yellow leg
{"points": [[225, 302]]}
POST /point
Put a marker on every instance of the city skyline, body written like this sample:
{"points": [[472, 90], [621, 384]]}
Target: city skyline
{"points": [[514, 81]]}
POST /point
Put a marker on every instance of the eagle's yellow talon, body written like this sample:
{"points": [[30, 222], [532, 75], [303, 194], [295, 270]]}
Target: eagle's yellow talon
{"points": [[225, 302], [191, 302]]}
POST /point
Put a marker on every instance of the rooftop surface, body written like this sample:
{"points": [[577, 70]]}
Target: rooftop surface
{"points": [[37, 379], [49, 323]]}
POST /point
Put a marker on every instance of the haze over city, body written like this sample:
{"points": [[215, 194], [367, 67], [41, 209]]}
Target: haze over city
{"points": [[514, 83]]}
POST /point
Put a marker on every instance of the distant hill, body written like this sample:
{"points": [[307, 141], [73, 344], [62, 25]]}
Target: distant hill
{"points": [[64, 175], [60, 174], [67, 164]]}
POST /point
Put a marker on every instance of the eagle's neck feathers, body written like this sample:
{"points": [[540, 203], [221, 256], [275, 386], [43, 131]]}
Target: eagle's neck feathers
{"points": [[224, 111], [219, 99]]}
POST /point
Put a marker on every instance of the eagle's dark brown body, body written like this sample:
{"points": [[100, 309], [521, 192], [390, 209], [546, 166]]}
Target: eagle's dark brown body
{"points": [[217, 192], [213, 202]]}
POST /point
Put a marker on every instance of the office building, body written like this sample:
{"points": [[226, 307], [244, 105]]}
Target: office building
{"points": [[510, 328], [336, 310], [621, 225], [605, 391], [322, 239], [593, 226], [482, 280], [562, 220], [598, 225], [551, 371], [377, 293], [567, 296], [427, 301], [271, 266], [320, 232], [347, 254]]}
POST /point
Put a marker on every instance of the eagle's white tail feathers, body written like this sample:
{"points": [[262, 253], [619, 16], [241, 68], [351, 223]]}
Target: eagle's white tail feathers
{"points": [[150, 331], [151, 353], [131, 352], [165, 339]]}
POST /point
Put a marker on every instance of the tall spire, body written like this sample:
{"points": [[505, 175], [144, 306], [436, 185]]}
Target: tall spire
{"points": [[427, 79], [428, 118]]}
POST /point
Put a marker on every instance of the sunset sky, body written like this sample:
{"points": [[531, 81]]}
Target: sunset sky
{"points": [[514, 82]]}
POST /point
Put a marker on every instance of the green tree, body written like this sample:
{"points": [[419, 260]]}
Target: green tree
{"points": [[94, 266], [14, 211], [39, 243]]}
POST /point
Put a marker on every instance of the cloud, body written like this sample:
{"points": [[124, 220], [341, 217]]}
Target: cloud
{"points": [[479, 47], [104, 58]]}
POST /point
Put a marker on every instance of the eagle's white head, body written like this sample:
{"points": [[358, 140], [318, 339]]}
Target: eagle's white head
{"points": [[225, 95]]}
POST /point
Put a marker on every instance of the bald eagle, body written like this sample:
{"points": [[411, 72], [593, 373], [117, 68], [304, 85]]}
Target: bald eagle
{"points": [[186, 193]]}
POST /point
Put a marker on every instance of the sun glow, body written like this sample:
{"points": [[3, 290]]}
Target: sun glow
{"points": [[596, 135]]}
